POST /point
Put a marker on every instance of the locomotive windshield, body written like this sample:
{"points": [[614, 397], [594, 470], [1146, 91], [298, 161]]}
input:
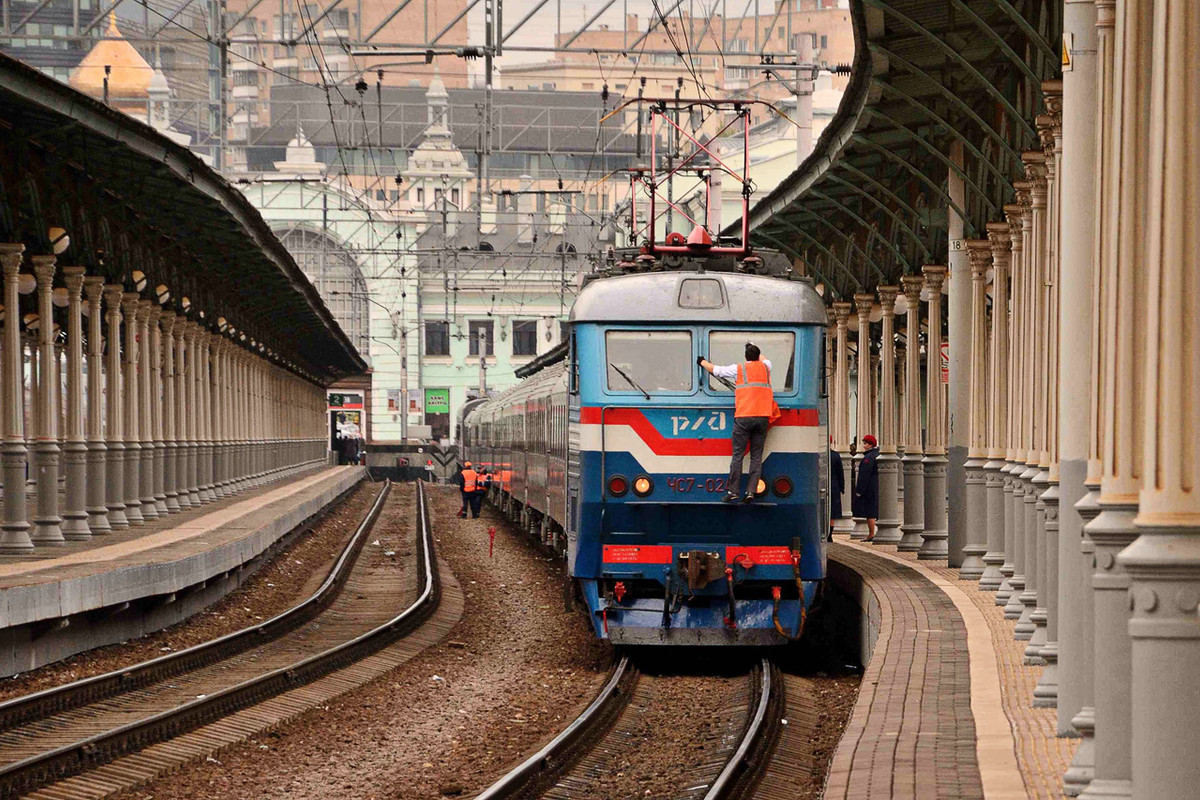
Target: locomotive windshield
{"points": [[778, 347], [651, 361]]}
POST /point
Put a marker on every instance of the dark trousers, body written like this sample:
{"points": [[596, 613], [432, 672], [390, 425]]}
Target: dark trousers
{"points": [[754, 431], [476, 500], [466, 504]]}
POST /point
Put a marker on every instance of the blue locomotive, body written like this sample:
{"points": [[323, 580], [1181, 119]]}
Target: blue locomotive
{"points": [[616, 449]]}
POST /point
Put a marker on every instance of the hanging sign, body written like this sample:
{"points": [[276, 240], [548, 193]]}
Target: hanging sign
{"points": [[945, 362]]}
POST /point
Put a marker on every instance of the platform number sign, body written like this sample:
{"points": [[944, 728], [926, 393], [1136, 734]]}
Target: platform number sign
{"points": [[945, 362]]}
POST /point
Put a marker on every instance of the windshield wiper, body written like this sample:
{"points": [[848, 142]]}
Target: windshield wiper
{"points": [[629, 380]]}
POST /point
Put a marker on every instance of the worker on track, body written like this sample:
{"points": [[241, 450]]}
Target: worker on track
{"points": [[467, 481], [754, 405]]}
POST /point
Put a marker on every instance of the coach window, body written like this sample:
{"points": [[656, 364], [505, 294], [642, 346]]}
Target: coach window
{"points": [[650, 361], [778, 347]]}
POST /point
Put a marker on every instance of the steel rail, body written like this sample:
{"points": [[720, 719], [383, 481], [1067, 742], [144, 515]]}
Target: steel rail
{"points": [[35, 706], [22, 776], [742, 763], [549, 762]]}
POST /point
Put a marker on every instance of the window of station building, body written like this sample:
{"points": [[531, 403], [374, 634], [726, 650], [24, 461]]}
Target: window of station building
{"points": [[475, 328], [778, 347], [420, 196], [454, 196], [525, 337], [824, 42], [437, 338], [650, 361]]}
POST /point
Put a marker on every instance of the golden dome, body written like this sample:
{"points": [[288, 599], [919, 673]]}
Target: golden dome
{"points": [[130, 75]]}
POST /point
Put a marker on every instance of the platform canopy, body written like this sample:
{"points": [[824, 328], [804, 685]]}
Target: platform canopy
{"points": [[930, 77], [131, 199]]}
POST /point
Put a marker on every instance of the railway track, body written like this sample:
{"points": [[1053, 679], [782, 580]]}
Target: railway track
{"points": [[364, 604], [667, 737]]}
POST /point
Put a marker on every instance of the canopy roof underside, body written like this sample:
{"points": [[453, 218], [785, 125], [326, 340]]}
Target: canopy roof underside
{"points": [[871, 202]]}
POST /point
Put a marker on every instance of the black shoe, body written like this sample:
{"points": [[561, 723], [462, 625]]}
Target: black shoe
{"points": [[730, 498], [748, 499]]}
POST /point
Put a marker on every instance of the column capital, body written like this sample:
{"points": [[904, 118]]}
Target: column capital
{"points": [[863, 302], [167, 319], [912, 285], [43, 269], [979, 253], [1000, 236], [113, 294], [129, 304], [1013, 214], [153, 311], [73, 278], [887, 298], [145, 309], [94, 286], [11, 254], [935, 276], [841, 310]]}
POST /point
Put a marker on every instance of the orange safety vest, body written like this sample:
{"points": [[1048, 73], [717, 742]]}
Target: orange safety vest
{"points": [[469, 478], [752, 396]]}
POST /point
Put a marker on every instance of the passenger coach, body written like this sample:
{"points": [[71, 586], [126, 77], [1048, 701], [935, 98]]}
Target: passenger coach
{"points": [[619, 455]]}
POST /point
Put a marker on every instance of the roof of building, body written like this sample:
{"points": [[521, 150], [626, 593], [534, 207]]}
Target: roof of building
{"points": [[870, 203], [131, 198], [129, 74], [523, 120]]}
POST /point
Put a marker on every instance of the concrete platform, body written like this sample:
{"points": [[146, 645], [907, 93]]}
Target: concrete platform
{"points": [[63, 600], [943, 711]]}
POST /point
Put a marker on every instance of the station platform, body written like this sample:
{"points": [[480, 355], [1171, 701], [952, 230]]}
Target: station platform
{"points": [[943, 709], [60, 601]]}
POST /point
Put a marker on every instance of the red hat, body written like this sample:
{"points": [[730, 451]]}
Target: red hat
{"points": [[871, 440]]}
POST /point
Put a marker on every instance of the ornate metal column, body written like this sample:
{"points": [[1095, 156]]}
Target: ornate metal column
{"points": [[1035, 460], [979, 256], [185, 403], [888, 526], [47, 524], [168, 414], [841, 433], [97, 451], [156, 410], [15, 526], [993, 576], [1164, 562], [862, 303], [914, 469], [147, 313], [133, 439], [1018, 358], [1045, 694], [1082, 259], [75, 449], [115, 408], [1123, 318], [207, 442], [934, 537]]}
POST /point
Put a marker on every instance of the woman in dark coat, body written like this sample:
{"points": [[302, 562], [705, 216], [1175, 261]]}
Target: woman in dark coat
{"points": [[837, 485], [866, 488]]}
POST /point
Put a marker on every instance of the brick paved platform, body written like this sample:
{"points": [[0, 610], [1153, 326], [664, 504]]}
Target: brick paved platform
{"points": [[930, 719], [63, 600]]}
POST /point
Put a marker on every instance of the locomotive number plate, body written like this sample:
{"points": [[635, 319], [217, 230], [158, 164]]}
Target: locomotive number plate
{"points": [[699, 425], [685, 485]]}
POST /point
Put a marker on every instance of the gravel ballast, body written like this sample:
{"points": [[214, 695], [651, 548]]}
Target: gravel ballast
{"points": [[516, 670]]}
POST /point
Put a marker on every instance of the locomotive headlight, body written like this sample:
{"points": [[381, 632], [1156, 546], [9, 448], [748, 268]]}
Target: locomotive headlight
{"points": [[761, 488], [642, 486], [617, 485], [782, 486]]}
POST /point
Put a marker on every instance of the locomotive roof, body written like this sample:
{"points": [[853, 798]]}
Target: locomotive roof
{"points": [[656, 297]]}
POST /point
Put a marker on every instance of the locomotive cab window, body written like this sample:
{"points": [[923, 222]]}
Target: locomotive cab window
{"points": [[649, 361], [778, 347]]}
